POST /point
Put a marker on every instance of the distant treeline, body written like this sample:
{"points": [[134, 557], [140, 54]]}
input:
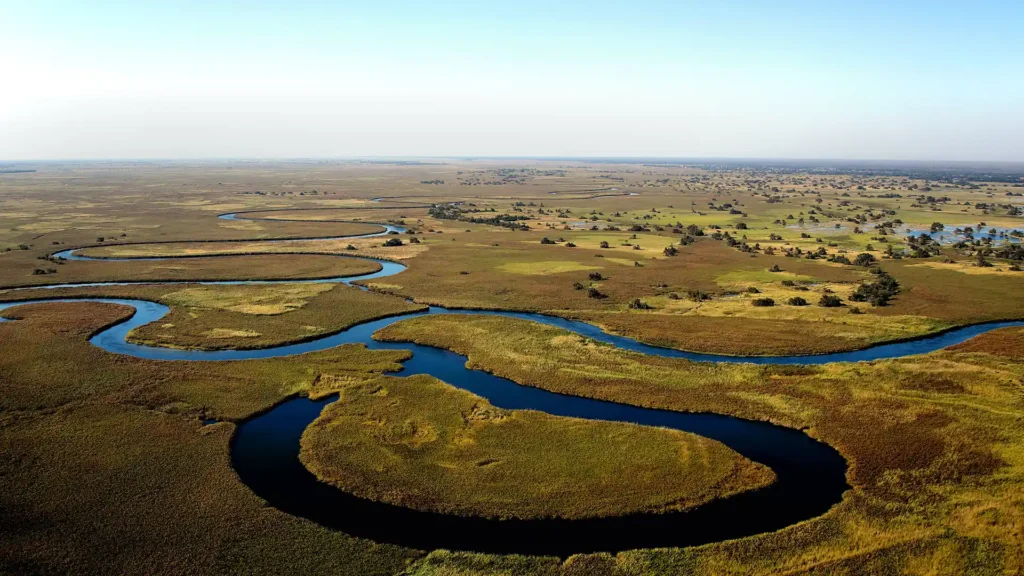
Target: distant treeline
{"points": [[13, 171]]}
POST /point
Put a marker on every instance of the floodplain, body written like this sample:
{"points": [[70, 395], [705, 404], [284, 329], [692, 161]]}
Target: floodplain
{"points": [[121, 464]]}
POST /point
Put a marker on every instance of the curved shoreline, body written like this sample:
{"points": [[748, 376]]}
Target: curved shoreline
{"points": [[810, 475]]}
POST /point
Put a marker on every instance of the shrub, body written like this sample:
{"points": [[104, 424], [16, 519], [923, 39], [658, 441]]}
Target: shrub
{"points": [[864, 259], [570, 245], [670, 251], [595, 293], [350, 247], [797, 301], [546, 240], [753, 290], [604, 244], [638, 304], [393, 242], [595, 276], [414, 240], [879, 292], [775, 268], [760, 302], [830, 301], [697, 295], [577, 286]]}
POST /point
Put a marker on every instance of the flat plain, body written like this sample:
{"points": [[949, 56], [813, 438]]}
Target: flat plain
{"points": [[119, 464]]}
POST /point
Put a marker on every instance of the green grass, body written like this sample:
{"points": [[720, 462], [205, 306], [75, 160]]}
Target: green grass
{"points": [[245, 316], [420, 443], [105, 468], [934, 443]]}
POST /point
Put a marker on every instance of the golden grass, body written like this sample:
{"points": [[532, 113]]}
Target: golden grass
{"points": [[934, 444], [543, 268], [420, 443], [371, 247], [248, 299]]}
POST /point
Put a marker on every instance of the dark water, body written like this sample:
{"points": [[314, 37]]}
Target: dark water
{"points": [[810, 475]]}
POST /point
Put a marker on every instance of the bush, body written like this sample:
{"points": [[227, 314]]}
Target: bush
{"points": [[670, 251], [595, 293], [753, 290], [570, 245], [830, 301], [864, 259], [604, 244], [414, 240], [797, 301], [697, 295], [761, 302], [546, 240], [638, 304], [393, 242], [577, 286], [775, 268], [879, 292], [595, 276]]}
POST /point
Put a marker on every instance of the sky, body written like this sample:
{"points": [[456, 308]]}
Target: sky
{"points": [[228, 79]]}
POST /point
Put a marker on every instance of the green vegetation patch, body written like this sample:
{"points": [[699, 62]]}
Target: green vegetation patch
{"points": [[248, 299], [420, 443], [548, 267]]}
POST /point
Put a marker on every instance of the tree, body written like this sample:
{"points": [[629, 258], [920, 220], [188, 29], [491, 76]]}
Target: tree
{"points": [[864, 259], [879, 292], [830, 301], [638, 304]]}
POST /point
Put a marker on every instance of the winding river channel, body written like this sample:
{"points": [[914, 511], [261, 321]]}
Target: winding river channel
{"points": [[810, 475]]}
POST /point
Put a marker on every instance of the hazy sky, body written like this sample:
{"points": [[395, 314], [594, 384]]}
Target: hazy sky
{"points": [[859, 79]]}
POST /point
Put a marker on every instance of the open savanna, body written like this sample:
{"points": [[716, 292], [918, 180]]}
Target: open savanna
{"points": [[106, 466], [934, 444], [420, 443], [213, 317], [484, 268]]}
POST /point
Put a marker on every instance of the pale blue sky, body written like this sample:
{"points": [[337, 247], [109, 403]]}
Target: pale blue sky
{"points": [[893, 80]]}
